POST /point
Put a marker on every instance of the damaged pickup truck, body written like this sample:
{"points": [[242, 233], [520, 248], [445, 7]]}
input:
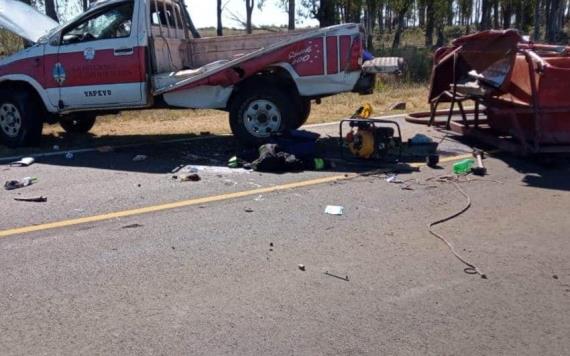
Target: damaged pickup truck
{"points": [[139, 54]]}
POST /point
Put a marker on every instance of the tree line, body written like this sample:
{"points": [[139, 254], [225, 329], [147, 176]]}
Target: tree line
{"points": [[544, 20]]}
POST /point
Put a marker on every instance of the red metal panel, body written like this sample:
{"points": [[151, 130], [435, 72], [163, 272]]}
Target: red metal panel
{"points": [[332, 54], [344, 51], [105, 68]]}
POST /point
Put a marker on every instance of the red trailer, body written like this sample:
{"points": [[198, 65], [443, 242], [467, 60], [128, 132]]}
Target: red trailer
{"points": [[520, 90]]}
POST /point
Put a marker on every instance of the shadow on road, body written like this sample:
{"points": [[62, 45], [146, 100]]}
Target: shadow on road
{"points": [[167, 153]]}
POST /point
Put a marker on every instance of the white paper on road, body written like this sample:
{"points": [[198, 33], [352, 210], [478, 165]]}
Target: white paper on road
{"points": [[24, 21], [334, 210]]}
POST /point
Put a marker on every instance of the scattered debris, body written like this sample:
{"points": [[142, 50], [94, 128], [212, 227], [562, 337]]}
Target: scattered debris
{"points": [[40, 199], [334, 210], [392, 178], [271, 244], [69, 155], [463, 167], [56, 147], [420, 139], [190, 177], [335, 276], [132, 226], [24, 162], [302, 267], [555, 276], [16, 184], [139, 158], [248, 210], [398, 106], [432, 160], [259, 198], [480, 169], [213, 169], [105, 149], [471, 268]]}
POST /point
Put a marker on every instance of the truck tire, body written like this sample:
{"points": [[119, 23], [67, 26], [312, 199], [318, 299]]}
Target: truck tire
{"points": [[21, 123], [304, 112], [258, 111], [78, 123]]}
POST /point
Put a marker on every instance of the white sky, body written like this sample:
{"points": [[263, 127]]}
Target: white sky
{"points": [[203, 13]]}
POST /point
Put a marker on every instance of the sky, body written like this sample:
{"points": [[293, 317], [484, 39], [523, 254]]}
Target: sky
{"points": [[203, 13]]}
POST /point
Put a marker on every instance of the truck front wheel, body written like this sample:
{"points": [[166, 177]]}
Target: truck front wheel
{"points": [[20, 119], [257, 112], [78, 123]]}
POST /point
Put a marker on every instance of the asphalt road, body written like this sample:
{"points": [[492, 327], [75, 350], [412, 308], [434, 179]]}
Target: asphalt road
{"points": [[222, 277]]}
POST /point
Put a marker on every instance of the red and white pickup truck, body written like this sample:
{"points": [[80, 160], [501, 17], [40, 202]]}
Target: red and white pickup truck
{"points": [[139, 54]]}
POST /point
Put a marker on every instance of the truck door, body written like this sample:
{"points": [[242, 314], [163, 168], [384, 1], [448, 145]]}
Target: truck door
{"points": [[99, 61]]}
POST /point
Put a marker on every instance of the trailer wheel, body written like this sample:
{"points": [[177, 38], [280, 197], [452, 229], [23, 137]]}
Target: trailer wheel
{"points": [[304, 111], [20, 118], [258, 111], [78, 123]]}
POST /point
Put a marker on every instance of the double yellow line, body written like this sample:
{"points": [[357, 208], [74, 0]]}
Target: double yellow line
{"points": [[191, 202]]}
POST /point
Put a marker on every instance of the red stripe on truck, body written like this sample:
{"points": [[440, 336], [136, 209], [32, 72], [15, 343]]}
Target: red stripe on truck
{"points": [[332, 54], [344, 52]]}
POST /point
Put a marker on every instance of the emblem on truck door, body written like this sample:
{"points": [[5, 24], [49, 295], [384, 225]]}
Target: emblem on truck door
{"points": [[89, 53], [58, 73]]}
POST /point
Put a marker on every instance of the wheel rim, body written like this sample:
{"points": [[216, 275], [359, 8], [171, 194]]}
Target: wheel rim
{"points": [[262, 118], [10, 119]]}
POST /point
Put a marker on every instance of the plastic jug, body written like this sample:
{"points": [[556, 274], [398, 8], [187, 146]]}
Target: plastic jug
{"points": [[463, 167]]}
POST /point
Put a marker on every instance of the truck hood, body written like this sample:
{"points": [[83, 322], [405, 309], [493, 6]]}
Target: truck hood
{"points": [[24, 21]]}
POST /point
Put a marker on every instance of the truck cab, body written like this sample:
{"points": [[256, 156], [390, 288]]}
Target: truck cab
{"points": [[139, 54]]}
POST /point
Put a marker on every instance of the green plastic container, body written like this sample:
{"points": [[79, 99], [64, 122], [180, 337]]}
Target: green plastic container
{"points": [[463, 167]]}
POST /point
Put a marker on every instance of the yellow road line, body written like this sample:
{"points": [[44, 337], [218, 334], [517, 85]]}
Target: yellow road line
{"points": [[191, 202]]}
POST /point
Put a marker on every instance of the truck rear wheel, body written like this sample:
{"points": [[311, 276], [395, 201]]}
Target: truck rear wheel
{"points": [[78, 123], [20, 119], [258, 111]]}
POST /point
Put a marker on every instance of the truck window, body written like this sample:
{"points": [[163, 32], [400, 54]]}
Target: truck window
{"points": [[114, 22], [165, 14]]}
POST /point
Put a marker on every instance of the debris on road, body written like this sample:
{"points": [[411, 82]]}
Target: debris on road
{"points": [[463, 167], [432, 160], [132, 226], [248, 210], [421, 139], [16, 184], [327, 273], [334, 210], [302, 267], [105, 149], [69, 155], [40, 199], [139, 158], [392, 178], [190, 177], [24, 162], [214, 170], [56, 147], [479, 169]]}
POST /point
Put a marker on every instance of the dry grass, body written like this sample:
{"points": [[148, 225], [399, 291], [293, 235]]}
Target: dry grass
{"points": [[177, 122], [154, 125]]}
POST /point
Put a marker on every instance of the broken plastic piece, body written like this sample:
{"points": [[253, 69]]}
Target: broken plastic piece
{"points": [[334, 210], [24, 162]]}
